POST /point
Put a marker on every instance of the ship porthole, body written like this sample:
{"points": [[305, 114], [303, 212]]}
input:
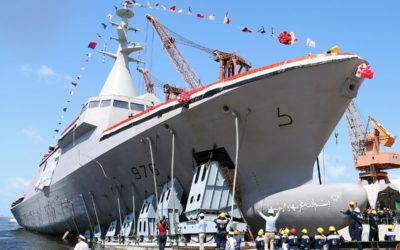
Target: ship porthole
{"points": [[351, 87], [225, 109]]}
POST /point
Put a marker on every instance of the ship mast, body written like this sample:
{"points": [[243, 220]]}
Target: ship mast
{"points": [[119, 81]]}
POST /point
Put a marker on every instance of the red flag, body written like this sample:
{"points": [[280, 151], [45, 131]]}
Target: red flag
{"points": [[245, 29], [74, 84], [200, 15], [92, 45], [172, 8]]}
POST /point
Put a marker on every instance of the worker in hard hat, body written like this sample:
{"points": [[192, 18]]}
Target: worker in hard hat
{"points": [[390, 235], [201, 226], [238, 239], [278, 239], [304, 240], [349, 213], [230, 242], [334, 239], [292, 240], [373, 221], [319, 239], [270, 222], [358, 219], [221, 223], [260, 240]]}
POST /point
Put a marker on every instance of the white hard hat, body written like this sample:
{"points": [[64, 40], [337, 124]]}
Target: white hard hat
{"points": [[270, 211], [357, 210], [201, 215], [82, 237]]}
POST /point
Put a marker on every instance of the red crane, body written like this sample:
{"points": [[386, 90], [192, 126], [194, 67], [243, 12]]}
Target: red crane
{"points": [[168, 43]]}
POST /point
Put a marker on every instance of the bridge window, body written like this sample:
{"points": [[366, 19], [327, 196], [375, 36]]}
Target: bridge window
{"points": [[94, 104], [121, 104], [137, 107], [105, 103]]}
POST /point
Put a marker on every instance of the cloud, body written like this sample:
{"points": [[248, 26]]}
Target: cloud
{"points": [[46, 72], [33, 134]]}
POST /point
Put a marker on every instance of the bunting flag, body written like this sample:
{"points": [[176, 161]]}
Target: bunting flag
{"points": [[78, 77], [92, 45], [89, 54], [115, 7], [172, 8], [56, 130], [59, 123], [83, 68], [200, 15], [211, 17], [104, 25], [272, 32], [226, 19], [99, 36], [74, 84], [245, 29], [110, 16], [190, 12], [310, 43], [149, 6], [163, 7], [71, 92], [261, 30], [157, 6], [65, 109], [180, 11]]}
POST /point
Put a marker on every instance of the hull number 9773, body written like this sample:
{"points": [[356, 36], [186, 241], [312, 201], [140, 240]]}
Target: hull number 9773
{"points": [[144, 171]]}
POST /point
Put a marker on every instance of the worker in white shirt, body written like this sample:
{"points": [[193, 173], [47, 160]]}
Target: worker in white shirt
{"points": [[270, 222], [202, 226], [81, 245]]}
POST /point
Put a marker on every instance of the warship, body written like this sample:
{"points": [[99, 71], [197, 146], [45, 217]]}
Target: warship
{"points": [[251, 138]]}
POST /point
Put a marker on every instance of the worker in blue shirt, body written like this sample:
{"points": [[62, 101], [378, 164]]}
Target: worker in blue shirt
{"points": [[334, 239], [278, 240], [357, 217], [221, 224], [319, 239], [238, 239], [260, 240], [349, 213], [390, 235], [304, 240], [292, 240]]}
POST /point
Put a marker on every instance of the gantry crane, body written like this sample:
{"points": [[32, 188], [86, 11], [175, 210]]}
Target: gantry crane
{"points": [[367, 156], [230, 63]]}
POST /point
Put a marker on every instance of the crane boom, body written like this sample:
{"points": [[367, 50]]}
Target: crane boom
{"points": [[147, 79], [168, 43], [355, 129]]}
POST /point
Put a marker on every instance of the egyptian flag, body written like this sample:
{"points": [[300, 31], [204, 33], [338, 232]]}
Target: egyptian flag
{"points": [[226, 19], [200, 15], [92, 45], [245, 29], [172, 8], [74, 84]]}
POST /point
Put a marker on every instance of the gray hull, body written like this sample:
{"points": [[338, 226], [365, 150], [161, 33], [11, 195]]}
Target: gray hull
{"points": [[286, 115]]}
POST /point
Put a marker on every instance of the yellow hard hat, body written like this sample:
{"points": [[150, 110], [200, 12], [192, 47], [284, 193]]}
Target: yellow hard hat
{"points": [[332, 229], [260, 232], [320, 230], [390, 227], [304, 231], [222, 215], [373, 212], [236, 232], [287, 230], [282, 231], [352, 203], [334, 50]]}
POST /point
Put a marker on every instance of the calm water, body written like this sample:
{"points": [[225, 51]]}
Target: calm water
{"points": [[13, 237]]}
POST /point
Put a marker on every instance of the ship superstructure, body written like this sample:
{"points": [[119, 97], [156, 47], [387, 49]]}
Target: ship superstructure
{"points": [[124, 153]]}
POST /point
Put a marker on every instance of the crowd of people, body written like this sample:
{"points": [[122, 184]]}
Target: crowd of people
{"points": [[270, 238]]}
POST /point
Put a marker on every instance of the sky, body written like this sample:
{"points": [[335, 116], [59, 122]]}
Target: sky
{"points": [[43, 46]]}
